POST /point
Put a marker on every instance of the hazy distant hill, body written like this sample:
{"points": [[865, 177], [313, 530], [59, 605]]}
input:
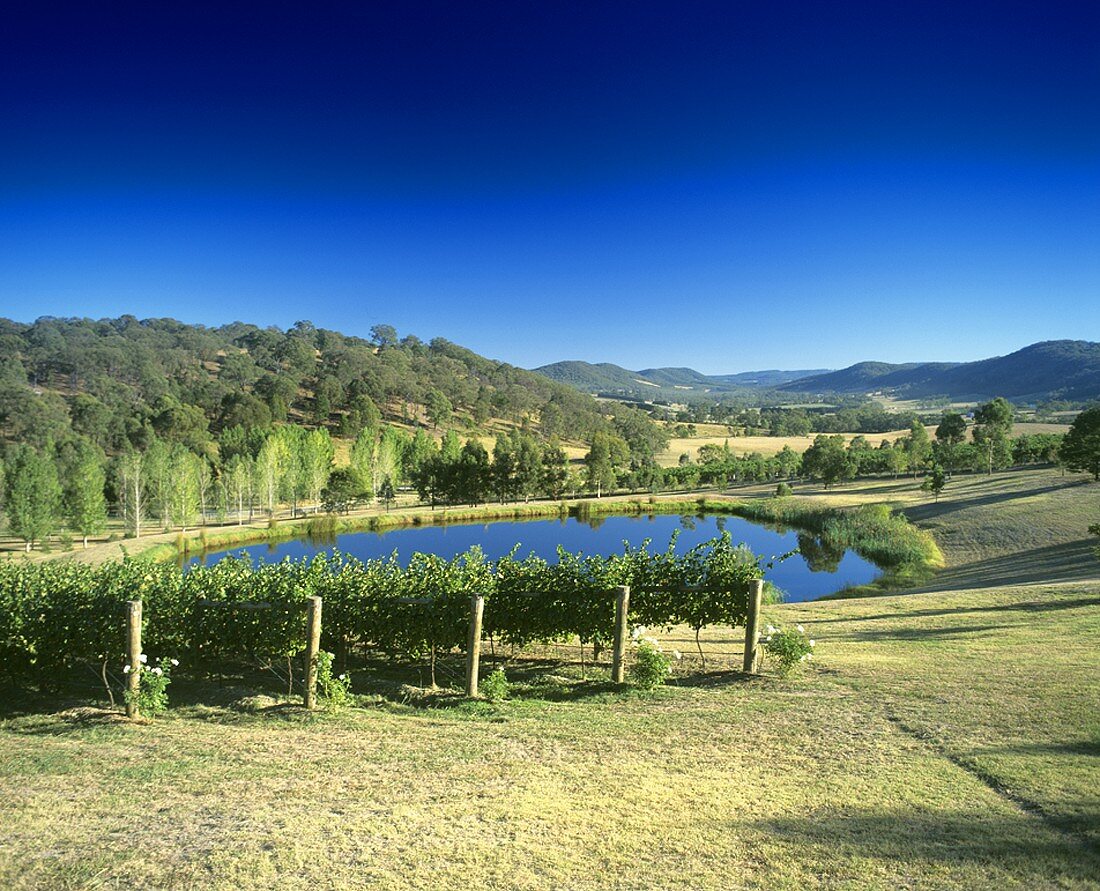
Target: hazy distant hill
{"points": [[1054, 369], [672, 384]]}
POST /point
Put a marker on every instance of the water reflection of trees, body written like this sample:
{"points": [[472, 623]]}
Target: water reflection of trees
{"points": [[820, 554]]}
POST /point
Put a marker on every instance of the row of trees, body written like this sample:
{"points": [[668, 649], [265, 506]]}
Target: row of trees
{"points": [[175, 487]]}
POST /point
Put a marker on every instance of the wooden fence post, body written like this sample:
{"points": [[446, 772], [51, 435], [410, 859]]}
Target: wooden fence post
{"points": [[313, 647], [473, 644], [752, 627], [622, 606], [133, 648]]}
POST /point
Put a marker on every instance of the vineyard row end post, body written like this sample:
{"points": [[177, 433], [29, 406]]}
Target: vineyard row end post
{"points": [[618, 658], [133, 647], [752, 627], [473, 644], [313, 647]]}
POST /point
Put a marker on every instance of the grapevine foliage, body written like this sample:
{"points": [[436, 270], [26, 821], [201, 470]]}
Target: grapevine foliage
{"points": [[54, 616]]}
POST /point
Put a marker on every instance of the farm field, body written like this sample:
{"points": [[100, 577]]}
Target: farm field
{"points": [[772, 445], [941, 739]]}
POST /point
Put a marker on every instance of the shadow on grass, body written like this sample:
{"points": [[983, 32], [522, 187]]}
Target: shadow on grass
{"points": [[1034, 606], [924, 512], [1014, 843], [1069, 562], [916, 634], [711, 679], [1087, 747], [237, 692]]}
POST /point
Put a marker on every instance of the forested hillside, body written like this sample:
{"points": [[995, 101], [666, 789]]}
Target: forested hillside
{"points": [[166, 425], [674, 385], [121, 381], [1055, 369]]}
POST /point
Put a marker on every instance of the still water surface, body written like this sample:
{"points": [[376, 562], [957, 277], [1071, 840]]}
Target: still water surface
{"points": [[813, 573]]}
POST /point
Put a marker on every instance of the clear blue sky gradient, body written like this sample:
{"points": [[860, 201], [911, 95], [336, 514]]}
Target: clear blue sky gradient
{"points": [[720, 185]]}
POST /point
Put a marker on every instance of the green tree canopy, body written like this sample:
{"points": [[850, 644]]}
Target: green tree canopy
{"points": [[828, 460], [1080, 450], [33, 499]]}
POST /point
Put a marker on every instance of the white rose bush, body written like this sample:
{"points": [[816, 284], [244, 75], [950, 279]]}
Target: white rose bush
{"points": [[788, 647]]}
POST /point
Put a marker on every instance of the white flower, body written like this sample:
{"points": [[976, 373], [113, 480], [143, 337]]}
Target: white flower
{"points": [[176, 662], [126, 670], [158, 671], [341, 677], [812, 643], [771, 629], [801, 630], [638, 632], [143, 658], [676, 654]]}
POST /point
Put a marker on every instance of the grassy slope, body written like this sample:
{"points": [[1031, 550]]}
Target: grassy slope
{"points": [[943, 739]]}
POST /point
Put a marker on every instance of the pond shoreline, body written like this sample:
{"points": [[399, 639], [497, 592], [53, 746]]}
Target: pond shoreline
{"points": [[905, 554]]}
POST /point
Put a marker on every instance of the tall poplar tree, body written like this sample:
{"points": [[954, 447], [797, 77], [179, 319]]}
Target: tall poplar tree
{"points": [[364, 454], [84, 501], [34, 495], [133, 490], [315, 459]]}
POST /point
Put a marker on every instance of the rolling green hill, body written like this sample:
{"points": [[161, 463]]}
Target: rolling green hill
{"points": [[1054, 369], [117, 381], [665, 384]]}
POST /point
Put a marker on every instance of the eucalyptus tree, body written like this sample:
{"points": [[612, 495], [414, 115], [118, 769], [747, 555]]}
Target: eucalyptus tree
{"points": [[1080, 450], [438, 408], [828, 460], [504, 469], [788, 462], [992, 429], [606, 454], [918, 447], [555, 470], [951, 429], [472, 476], [528, 464]]}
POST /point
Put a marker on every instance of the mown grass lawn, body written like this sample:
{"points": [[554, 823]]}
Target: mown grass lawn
{"points": [[946, 739]]}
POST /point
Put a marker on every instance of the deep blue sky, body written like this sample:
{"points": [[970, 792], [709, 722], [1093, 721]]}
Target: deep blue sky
{"points": [[721, 185]]}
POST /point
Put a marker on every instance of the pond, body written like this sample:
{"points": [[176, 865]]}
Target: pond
{"points": [[814, 572]]}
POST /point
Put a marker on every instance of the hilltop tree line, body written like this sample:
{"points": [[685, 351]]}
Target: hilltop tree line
{"points": [[122, 382]]}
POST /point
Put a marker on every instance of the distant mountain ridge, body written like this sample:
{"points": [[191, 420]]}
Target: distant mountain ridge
{"points": [[1052, 369], [663, 383]]}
